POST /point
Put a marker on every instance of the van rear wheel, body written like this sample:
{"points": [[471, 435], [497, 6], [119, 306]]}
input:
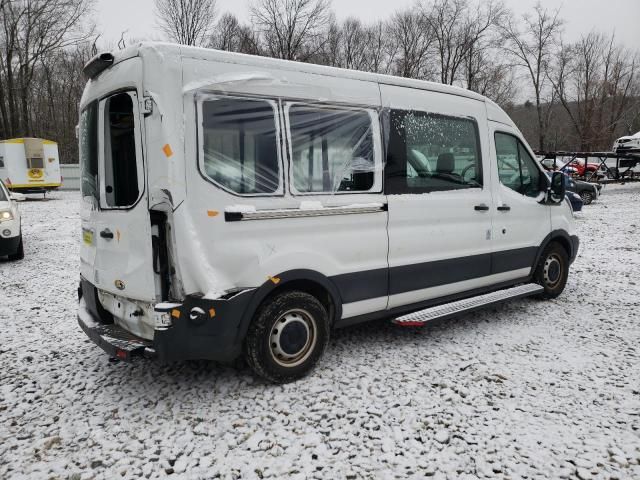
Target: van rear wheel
{"points": [[552, 270], [287, 337]]}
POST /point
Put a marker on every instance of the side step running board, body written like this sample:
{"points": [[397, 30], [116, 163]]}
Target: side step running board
{"points": [[419, 318]]}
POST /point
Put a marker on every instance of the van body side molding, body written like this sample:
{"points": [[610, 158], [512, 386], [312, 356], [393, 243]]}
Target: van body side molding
{"points": [[237, 216]]}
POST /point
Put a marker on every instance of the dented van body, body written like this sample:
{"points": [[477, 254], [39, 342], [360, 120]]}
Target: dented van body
{"points": [[243, 205]]}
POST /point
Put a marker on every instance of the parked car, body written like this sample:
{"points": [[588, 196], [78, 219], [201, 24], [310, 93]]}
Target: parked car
{"points": [[10, 229], [236, 205], [627, 144], [588, 191]]}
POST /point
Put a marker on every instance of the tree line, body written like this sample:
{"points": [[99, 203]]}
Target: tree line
{"points": [[578, 95]]}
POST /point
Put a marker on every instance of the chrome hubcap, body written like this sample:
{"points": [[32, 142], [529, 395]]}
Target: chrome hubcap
{"points": [[552, 270], [292, 338]]}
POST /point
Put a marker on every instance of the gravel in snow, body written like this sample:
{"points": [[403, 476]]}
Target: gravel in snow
{"points": [[527, 389]]}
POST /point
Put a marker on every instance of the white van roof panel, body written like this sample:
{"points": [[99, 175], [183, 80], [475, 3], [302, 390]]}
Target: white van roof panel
{"points": [[161, 50]]}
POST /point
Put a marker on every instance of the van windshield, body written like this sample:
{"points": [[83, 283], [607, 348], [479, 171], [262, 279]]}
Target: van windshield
{"points": [[88, 135]]}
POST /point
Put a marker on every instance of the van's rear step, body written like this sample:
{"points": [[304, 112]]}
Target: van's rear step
{"points": [[115, 340], [417, 319]]}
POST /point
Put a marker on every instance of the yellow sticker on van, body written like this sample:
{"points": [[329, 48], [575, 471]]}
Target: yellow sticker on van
{"points": [[87, 237]]}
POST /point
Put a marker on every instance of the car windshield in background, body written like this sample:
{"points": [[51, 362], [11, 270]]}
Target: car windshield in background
{"points": [[4, 195]]}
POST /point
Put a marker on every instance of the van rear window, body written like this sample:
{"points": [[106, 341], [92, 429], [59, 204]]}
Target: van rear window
{"points": [[240, 145], [88, 131]]}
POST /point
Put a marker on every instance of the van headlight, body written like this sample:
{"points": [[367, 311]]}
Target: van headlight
{"points": [[5, 215]]}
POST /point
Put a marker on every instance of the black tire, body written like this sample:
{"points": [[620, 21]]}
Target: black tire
{"points": [[286, 354], [552, 270], [587, 197], [19, 255]]}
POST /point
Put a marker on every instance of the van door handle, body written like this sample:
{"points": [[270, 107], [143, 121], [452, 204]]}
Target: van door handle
{"points": [[504, 208], [106, 233], [481, 208]]}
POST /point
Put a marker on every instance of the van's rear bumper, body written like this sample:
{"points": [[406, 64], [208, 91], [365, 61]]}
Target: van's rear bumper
{"points": [[113, 339], [212, 337]]}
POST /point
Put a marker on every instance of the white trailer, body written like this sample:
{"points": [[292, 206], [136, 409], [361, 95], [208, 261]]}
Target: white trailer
{"points": [[30, 165]]}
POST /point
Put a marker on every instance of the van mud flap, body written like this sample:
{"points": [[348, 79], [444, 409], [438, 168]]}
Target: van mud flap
{"points": [[113, 339]]}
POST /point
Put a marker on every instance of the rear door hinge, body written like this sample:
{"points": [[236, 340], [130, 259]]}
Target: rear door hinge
{"points": [[146, 106]]}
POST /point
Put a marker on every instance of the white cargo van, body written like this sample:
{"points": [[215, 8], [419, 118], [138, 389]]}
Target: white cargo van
{"points": [[30, 165], [237, 205]]}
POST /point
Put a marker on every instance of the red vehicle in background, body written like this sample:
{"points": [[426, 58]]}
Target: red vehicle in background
{"points": [[584, 168], [574, 168]]}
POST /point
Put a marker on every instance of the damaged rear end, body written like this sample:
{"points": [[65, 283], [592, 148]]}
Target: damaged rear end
{"points": [[131, 298]]}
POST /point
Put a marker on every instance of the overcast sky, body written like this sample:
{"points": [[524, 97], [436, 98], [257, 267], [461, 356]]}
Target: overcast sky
{"points": [[138, 19]]}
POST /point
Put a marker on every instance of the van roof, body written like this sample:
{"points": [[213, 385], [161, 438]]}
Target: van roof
{"points": [[161, 49]]}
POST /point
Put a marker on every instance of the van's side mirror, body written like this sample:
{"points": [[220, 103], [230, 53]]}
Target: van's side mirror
{"points": [[557, 189]]}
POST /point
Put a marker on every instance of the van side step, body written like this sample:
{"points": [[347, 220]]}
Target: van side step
{"points": [[447, 310]]}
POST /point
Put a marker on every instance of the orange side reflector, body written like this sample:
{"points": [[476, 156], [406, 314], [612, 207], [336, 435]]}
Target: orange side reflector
{"points": [[167, 150], [275, 280], [212, 213], [175, 313], [212, 312]]}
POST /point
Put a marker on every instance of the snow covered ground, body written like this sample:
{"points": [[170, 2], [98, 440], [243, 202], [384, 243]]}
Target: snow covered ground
{"points": [[528, 389]]}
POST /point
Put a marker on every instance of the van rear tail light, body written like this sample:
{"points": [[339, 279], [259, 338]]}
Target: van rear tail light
{"points": [[121, 354]]}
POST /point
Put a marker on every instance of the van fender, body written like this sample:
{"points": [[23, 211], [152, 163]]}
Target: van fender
{"points": [[280, 281], [570, 242]]}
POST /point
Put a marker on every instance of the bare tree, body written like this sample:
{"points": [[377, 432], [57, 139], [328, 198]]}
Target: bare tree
{"points": [[489, 76], [596, 81], [413, 38], [292, 29], [457, 30], [32, 30], [56, 90], [532, 47], [188, 22], [230, 35]]}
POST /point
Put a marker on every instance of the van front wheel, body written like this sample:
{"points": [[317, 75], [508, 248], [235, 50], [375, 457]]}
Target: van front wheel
{"points": [[552, 270], [287, 337]]}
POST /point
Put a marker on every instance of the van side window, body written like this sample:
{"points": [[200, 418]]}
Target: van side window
{"points": [[516, 169], [88, 135], [120, 162], [1, 162], [429, 152], [331, 149], [240, 145]]}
